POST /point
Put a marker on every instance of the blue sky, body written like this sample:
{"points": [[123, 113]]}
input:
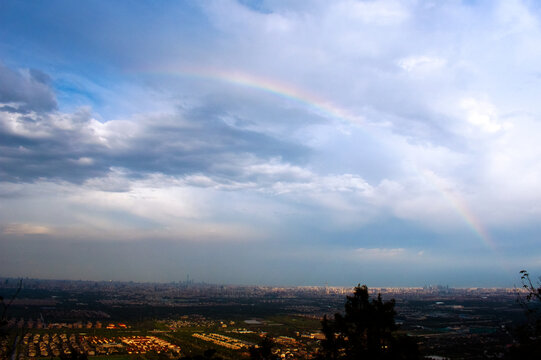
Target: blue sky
{"points": [[392, 143]]}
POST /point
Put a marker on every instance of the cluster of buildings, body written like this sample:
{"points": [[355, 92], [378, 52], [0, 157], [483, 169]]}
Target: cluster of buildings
{"points": [[222, 340], [5, 347], [45, 345], [286, 347], [242, 331], [105, 345], [290, 348], [144, 344], [39, 324], [58, 345], [187, 321]]}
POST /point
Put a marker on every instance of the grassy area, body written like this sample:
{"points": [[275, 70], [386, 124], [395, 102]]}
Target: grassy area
{"points": [[298, 322]]}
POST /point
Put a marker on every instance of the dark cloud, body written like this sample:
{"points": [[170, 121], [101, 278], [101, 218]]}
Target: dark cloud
{"points": [[26, 90], [40, 76], [75, 147], [35, 146], [199, 141]]}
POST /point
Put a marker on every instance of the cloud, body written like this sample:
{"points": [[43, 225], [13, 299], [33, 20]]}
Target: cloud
{"points": [[25, 90], [380, 252], [25, 229], [83, 161], [482, 115], [376, 13], [421, 63], [50, 144]]}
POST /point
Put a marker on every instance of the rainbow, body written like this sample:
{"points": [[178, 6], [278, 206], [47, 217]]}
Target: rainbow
{"points": [[462, 210], [319, 105], [328, 109]]}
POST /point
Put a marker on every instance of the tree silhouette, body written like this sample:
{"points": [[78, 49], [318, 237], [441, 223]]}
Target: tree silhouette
{"points": [[6, 305], [365, 331], [263, 350], [528, 336], [4, 328]]}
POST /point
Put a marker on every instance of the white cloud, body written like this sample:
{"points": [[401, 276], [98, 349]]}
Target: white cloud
{"points": [[482, 114], [380, 252], [374, 12], [421, 63], [278, 170], [84, 161], [26, 229]]}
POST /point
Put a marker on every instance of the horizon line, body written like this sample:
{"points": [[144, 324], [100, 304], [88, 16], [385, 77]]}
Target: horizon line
{"points": [[139, 282]]}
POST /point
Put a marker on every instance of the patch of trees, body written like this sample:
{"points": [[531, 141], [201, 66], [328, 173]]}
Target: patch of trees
{"points": [[209, 354], [527, 336], [366, 330], [263, 350]]}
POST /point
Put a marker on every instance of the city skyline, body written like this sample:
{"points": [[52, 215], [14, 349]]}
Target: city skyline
{"points": [[391, 143]]}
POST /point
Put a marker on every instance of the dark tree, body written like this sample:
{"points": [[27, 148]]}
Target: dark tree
{"points": [[74, 356], [527, 336], [209, 354], [6, 305], [263, 350], [5, 331], [365, 331]]}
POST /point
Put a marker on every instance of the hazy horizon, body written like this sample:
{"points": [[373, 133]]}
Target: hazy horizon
{"points": [[271, 142], [14, 281]]}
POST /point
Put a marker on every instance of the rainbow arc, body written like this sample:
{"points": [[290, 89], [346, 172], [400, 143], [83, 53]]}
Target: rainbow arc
{"points": [[329, 109]]}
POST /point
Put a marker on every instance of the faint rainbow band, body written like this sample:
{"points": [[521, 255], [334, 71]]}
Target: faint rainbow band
{"points": [[462, 209], [325, 108], [282, 89]]}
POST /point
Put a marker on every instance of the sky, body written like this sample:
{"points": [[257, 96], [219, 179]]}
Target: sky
{"points": [[388, 143]]}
